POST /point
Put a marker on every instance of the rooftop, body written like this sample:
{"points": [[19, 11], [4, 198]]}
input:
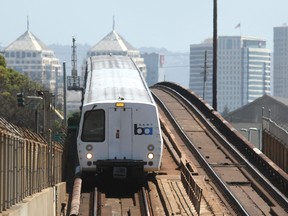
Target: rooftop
{"points": [[112, 42], [27, 42]]}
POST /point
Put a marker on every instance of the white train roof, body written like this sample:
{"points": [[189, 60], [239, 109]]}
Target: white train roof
{"points": [[112, 78]]}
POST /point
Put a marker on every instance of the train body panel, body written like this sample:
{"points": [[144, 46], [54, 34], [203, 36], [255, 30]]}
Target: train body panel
{"points": [[119, 123]]}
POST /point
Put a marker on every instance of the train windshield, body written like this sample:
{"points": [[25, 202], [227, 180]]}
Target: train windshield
{"points": [[94, 126]]}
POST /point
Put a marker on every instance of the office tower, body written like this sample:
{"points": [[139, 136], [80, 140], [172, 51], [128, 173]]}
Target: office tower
{"points": [[280, 72], [155, 71], [243, 71], [201, 61], [244, 65]]}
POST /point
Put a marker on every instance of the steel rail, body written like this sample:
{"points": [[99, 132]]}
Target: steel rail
{"points": [[75, 202], [277, 176], [235, 204], [146, 208], [95, 202], [280, 198]]}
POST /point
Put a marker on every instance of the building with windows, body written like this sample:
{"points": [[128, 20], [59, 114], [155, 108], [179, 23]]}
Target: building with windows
{"points": [[114, 44], [280, 71], [201, 61], [154, 63], [30, 56], [243, 71], [244, 65]]}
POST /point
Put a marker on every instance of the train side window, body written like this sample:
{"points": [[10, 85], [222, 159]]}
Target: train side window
{"points": [[94, 126]]}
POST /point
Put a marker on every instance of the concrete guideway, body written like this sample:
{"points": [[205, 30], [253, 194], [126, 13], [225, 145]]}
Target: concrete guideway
{"points": [[48, 202]]}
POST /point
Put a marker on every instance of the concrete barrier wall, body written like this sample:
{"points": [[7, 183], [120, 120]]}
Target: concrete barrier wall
{"points": [[45, 203]]}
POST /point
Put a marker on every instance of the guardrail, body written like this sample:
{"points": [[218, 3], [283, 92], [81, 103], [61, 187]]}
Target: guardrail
{"points": [[28, 164], [192, 188]]}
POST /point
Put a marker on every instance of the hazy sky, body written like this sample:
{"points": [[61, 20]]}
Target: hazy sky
{"points": [[173, 24]]}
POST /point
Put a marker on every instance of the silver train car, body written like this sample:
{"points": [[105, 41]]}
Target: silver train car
{"points": [[119, 127]]}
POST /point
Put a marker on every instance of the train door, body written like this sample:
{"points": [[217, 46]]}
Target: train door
{"points": [[120, 133]]}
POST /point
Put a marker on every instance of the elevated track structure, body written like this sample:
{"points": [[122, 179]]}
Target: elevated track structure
{"points": [[247, 178]]}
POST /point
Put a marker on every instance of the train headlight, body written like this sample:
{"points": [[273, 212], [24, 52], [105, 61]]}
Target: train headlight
{"points": [[150, 156], [89, 156], [150, 147]]}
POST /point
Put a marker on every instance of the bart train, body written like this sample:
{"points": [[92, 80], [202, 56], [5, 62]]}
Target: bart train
{"points": [[119, 128]]}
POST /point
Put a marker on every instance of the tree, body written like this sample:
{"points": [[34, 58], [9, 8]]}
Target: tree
{"points": [[74, 119], [11, 83], [2, 61]]}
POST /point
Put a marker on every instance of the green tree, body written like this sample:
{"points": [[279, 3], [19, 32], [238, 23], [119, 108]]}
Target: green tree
{"points": [[11, 83], [74, 119], [2, 61]]}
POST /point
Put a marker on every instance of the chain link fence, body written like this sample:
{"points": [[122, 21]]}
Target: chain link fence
{"points": [[28, 164]]}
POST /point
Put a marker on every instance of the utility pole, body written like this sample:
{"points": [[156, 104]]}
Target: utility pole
{"points": [[215, 55], [65, 92], [47, 115], [205, 74]]}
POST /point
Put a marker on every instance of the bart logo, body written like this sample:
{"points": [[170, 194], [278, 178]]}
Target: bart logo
{"points": [[142, 130]]}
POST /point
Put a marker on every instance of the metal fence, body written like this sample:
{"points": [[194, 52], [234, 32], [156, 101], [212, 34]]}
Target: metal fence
{"points": [[275, 143], [276, 130], [28, 164], [192, 188]]}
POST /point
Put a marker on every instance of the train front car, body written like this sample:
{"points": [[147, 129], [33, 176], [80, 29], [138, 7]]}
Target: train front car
{"points": [[119, 127]]}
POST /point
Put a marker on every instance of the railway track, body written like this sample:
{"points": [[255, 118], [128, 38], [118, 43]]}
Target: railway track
{"points": [[241, 186], [134, 204], [215, 182], [159, 194], [112, 197]]}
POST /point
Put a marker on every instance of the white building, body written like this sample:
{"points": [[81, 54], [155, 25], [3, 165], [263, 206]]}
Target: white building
{"points": [[243, 72], [115, 44], [197, 77], [244, 65], [30, 56], [280, 72], [155, 71]]}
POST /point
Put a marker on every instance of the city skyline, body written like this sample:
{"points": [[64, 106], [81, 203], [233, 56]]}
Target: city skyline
{"points": [[159, 23]]}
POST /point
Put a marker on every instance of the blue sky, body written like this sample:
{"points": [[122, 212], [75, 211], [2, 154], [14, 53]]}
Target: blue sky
{"points": [[159, 23]]}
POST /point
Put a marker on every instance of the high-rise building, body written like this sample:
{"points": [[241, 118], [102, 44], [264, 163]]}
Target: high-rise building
{"points": [[30, 56], [243, 71], [155, 71], [201, 61], [244, 65], [280, 72]]}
